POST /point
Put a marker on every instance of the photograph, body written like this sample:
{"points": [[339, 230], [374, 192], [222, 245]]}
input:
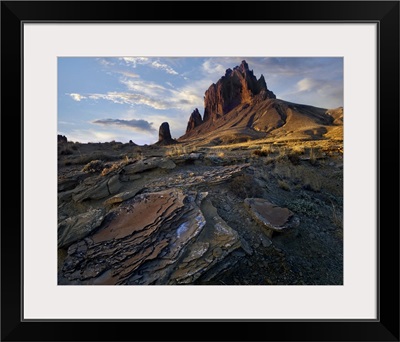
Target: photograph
{"points": [[189, 164], [200, 170]]}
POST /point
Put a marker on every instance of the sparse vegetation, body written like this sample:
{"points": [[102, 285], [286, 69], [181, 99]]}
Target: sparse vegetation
{"points": [[259, 153], [312, 184], [294, 158], [265, 151], [298, 149], [314, 154], [93, 166], [305, 177], [337, 217], [176, 150], [66, 152], [244, 186], [87, 158], [304, 206], [111, 168], [283, 185]]}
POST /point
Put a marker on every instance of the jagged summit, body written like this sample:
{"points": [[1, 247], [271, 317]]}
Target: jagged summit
{"points": [[194, 120], [236, 87]]}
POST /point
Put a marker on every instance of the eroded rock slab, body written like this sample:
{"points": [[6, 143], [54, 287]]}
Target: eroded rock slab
{"points": [[274, 218], [77, 227], [71, 180], [148, 164], [214, 243], [97, 187], [123, 196]]}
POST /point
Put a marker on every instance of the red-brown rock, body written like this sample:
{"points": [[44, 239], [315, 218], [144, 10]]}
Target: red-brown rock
{"points": [[236, 87], [194, 120]]}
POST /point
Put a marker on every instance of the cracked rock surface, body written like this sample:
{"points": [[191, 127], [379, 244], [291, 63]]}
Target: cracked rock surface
{"points": [[165, 237]]}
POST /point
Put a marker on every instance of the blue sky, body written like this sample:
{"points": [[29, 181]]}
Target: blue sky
{"points": [[127, 98]]}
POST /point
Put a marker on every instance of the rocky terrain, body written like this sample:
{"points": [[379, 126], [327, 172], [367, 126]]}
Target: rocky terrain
{"points": [[252, 194]]}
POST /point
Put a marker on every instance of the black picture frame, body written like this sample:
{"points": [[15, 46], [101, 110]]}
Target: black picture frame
{"points": [[15, 13]]}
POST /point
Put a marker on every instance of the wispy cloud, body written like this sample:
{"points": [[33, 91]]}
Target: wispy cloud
{"points": [[76, 97], [134, 61], [307, 84], [144, 87], [327, 89], [325, 93], [165, 67], [140, 92], [137, 125], [132, 99], [155, 64], [128, 74], [105, 61], [212, 67]]}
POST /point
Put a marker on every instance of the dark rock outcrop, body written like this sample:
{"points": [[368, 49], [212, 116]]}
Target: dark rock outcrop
{"points": [[194, 121], [236, 87], [164, 135], [62, 139]]}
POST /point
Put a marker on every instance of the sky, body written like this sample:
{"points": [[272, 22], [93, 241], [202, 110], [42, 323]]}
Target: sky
{"points": [[128, 98]]}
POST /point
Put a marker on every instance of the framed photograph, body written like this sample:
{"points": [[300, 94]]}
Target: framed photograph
{"points": [[215, 162]]}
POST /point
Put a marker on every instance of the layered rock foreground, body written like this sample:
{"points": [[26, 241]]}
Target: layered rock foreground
{"points": [[169, 235], [157, 238]]}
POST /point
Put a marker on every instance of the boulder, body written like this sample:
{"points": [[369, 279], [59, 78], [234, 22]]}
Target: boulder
{"points": [[272, 217]]}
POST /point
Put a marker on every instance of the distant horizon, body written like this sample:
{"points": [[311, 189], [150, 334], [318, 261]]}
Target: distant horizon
{"points": [[120, 99]]}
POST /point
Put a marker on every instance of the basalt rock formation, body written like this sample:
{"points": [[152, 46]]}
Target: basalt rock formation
{"points": [[164, 135], [236, 87], [194, 120], [62, 139]]}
